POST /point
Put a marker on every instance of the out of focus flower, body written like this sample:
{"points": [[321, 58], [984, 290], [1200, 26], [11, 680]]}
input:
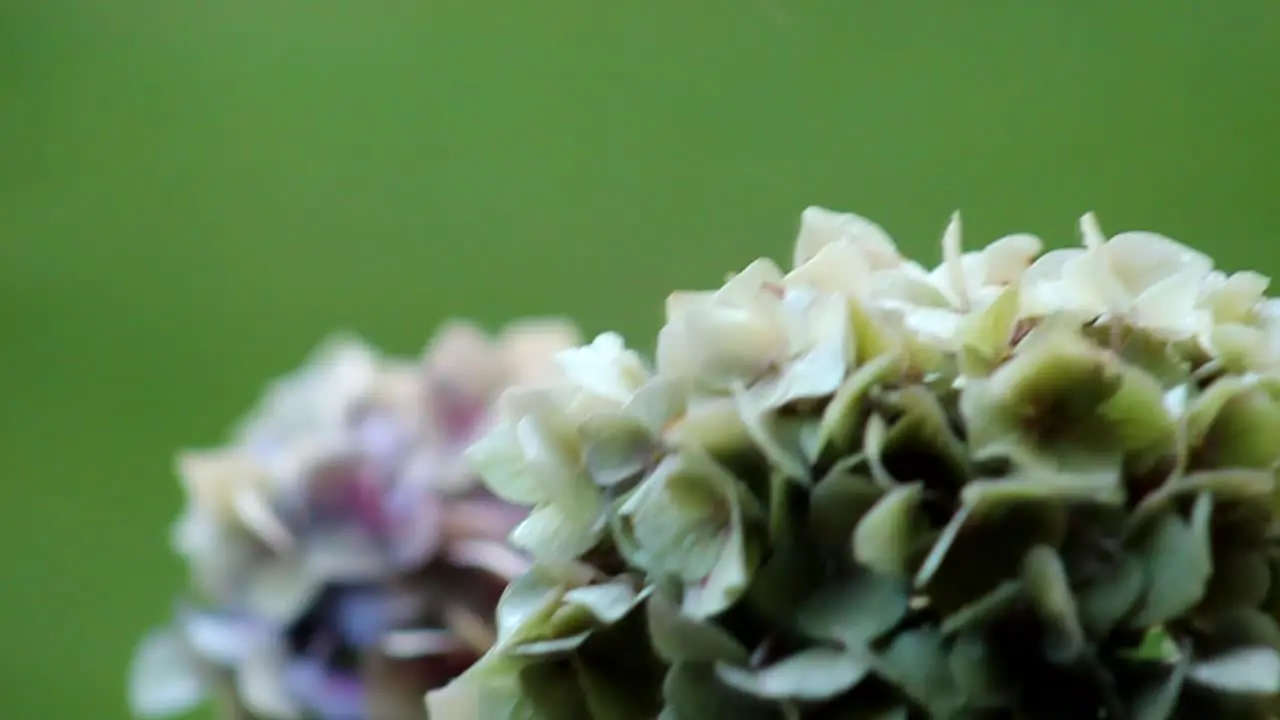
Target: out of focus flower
{"points": [[343, 557]]}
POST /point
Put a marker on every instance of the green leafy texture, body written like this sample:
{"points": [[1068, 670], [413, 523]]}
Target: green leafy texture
{"points": [[694, 692], [1047, 586], [1111, 595], [1234, 423], [1067, 403], [918, 663], [837, 504], [677, 638], [1177, 564], [854, 611], [983, 337], [978, 678], [883, 539], [794, 567], [838, 427], [1159, 700], [810, 675]]}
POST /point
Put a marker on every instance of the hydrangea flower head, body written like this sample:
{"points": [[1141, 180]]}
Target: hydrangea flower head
{"points": [[343, 556], [1018, 484]]}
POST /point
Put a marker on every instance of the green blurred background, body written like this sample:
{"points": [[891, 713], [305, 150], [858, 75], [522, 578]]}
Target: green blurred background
{"points": [[193, 193]]}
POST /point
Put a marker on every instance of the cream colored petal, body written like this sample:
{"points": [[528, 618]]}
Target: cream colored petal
{"points": [[682, 302], [215, 479], [936, 326], [721, 341], [563, 530], [1091, 287], [1005, 260], [1142, 259], [956, 284], [1169, 306], [1091, 234], [498, 458], [605, 368], [713, 424], [820, 227], [762, 275], [908, 285], [1234, 298], [1043, 290], [837, 268]]}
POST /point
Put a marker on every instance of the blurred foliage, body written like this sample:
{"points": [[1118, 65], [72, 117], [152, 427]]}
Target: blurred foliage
{"points": [[193, 193]]}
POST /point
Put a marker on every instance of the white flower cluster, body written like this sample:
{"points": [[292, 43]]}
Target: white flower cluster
{"points": [[727, 360]]}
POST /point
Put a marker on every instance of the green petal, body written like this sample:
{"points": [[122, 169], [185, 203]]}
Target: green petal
{"points": [[1234, 423], [1111, 596], [679, 638], [777, 437], [837, 503], [1159, 701], [1045, 578], [617, 448], [838, 430], [854, 611], [884, 539], [693, 692], [917, 663], [983, 337], [1178, 564], [810, 675]]}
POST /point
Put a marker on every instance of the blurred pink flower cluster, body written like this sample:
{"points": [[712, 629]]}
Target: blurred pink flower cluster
{"points": [[344, 558]]}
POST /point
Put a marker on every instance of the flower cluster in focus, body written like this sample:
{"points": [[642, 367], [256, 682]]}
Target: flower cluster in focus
{"points": [[343, 557], [1019, 484]]}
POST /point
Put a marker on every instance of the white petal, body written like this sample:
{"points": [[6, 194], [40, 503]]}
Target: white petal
{"points": [[561, 531], [1169, 305], [1251, 671], [1234, 298], [605, 367], [1142, 259], [221, 639], [1006, 259], [934, 325], [1091, 233], [760, 275], [956, 286], [723, 341], [498, 458], [820, 227], [837, 268], [163, 679]]}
